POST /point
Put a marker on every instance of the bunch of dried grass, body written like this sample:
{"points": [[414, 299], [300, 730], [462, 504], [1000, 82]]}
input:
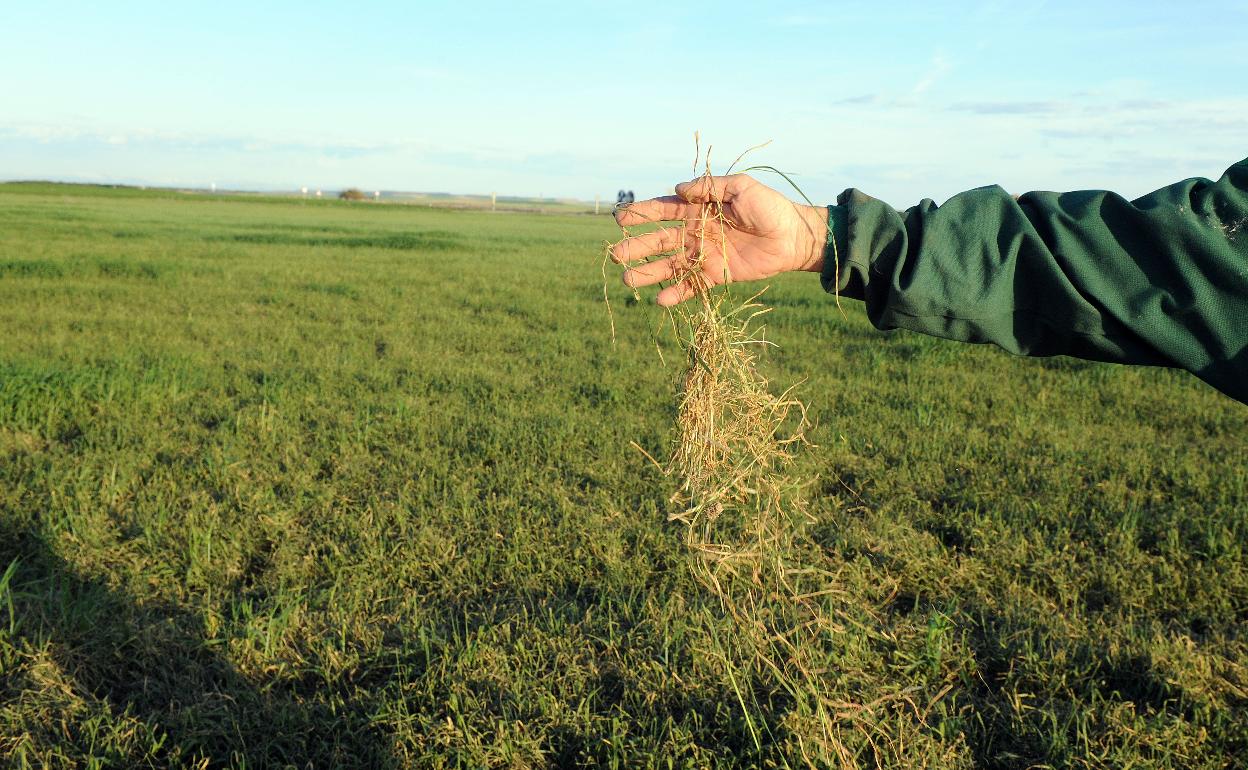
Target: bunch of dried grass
{"points": [[743, 512]]}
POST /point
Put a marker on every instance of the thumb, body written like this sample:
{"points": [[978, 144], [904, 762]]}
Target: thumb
{"points": [[721, 189]]}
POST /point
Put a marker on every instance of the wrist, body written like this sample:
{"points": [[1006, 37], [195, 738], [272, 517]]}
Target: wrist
{"points": [[813, 237]]}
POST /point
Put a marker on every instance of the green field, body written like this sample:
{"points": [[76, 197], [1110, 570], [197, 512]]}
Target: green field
{"points": [[314, 484]]}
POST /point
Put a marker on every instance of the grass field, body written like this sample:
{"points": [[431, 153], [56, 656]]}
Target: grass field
{"points": [[315, 484]]}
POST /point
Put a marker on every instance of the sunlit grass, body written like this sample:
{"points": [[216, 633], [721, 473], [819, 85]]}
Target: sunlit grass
{"points": [[352, 485]]}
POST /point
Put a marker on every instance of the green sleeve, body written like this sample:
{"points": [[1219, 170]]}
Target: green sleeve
{"points": [[1162, 280]]}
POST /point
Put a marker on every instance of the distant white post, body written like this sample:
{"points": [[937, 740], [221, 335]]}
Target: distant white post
{"points": [[304, 190], [214, 187], [376, 195], [595, 204], [493, 202], [318, 193]]}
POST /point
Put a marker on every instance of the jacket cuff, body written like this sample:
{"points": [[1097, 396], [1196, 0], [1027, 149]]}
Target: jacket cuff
{"points": [[835, 273]]}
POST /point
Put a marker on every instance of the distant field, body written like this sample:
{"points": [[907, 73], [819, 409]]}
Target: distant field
{"points": [[504, 203], [314, 484]]}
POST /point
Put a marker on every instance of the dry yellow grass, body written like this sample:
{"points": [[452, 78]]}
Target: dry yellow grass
{"points": [[743, 512]]}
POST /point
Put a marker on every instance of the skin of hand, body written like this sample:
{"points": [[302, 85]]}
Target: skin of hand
{"points": [[764, 234]]}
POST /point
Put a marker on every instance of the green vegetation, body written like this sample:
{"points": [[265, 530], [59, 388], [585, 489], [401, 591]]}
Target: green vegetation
{"points": [[315, 484]]}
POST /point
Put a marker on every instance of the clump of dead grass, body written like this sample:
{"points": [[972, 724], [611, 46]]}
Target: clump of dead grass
{"points": [[734, 435], [744, 513]]}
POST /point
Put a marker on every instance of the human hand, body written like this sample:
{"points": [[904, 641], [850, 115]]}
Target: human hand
{"points": [[763, 234]]}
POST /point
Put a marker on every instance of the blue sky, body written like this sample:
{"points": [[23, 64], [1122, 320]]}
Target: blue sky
{"points": [[902, 100]]}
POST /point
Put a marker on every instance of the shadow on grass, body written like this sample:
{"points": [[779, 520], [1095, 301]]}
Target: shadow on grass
{"points": [[1029, 711], [154, 663]]}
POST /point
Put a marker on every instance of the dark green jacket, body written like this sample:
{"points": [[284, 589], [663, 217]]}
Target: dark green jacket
{"points": [[1162, 280]]}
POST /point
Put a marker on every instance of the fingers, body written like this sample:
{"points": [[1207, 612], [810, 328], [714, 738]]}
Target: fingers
{"points": [[651, 273], [686, 203], [669, 208], [647, 245], [722, 189], [674, 295]]}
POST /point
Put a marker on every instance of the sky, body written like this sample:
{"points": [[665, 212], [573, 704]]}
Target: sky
{"points": [[901, 100]]}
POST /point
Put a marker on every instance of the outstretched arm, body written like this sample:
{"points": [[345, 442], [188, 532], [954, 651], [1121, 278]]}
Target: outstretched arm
{"points": [[1162, 280]]}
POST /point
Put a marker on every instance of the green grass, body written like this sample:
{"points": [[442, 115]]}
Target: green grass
{"points": [[319, 484]]}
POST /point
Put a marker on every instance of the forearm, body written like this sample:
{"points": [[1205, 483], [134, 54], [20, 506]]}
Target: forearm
{"points": [[1162, 280]]}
